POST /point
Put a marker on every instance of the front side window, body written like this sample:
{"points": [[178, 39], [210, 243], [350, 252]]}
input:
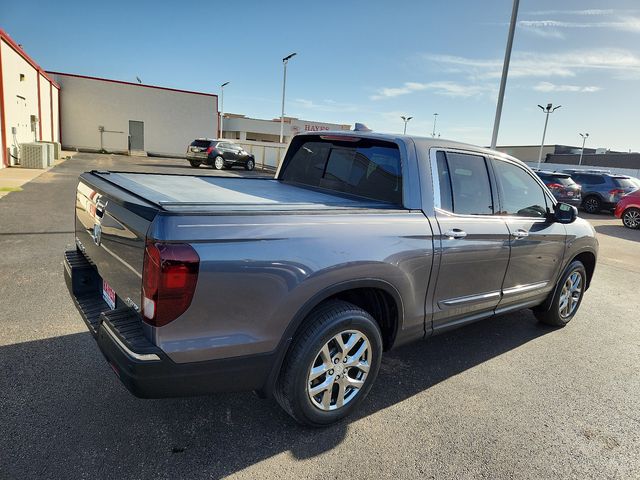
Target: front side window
{"points": [[520, 195], [464, 184]]}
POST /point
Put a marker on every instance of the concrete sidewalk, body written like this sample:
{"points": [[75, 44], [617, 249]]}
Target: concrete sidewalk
{"points": [[12, 178]]}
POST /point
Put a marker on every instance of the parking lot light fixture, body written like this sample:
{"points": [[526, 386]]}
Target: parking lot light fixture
{"points": [[405, 120], [584, 139], [435, 118], [222, 108], [549, 109], [285, 60]]}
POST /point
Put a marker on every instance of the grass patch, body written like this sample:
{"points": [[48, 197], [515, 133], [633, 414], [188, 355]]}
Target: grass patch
{"points": [[10, 189]]}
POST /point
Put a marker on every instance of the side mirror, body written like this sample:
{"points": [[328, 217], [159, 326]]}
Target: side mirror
{"points": [[565, 213]]}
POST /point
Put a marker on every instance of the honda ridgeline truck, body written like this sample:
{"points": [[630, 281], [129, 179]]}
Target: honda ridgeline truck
{"points": [[293, 287]]}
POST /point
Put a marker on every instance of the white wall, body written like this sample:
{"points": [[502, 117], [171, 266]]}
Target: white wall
{"points": [[20, 97], [56, 114], [45, 110], [171, 119]]}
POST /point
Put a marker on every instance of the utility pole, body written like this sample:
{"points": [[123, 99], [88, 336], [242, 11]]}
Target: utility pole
{"points": [[548, 110], [505, 71], [285, 60], [222, 108]]}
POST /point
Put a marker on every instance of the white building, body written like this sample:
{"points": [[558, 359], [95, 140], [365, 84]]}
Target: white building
{"points": [[28, 101], [102, 114], [240, 127]]}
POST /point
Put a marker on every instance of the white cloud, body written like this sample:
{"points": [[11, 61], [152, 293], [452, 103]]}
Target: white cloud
{"points": [[586, 12], [628, 24], [447, 88], [551, 87], [530, 64], [325, 106]]}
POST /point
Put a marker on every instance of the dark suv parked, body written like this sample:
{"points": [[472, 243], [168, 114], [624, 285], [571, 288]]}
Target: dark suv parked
{"points": [[219, 154], [562, 186], [601, 191]]}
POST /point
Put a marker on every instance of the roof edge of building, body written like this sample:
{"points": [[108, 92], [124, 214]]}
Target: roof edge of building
{"points": [[122, 82], [20, 51]]}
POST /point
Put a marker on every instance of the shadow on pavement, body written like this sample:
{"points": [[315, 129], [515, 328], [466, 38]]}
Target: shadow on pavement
{"points": [[618, 231], [65, 415]]}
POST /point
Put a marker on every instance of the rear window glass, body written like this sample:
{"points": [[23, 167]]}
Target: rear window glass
{"points": [[565, 180], [623, 182], [200, 143], [367, 168]]}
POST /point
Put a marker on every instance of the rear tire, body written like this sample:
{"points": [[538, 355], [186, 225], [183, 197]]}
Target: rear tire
{"points": [[631, 218], [567, 297], [331, 365], [218, 163], [592, 204], [195, 163]]}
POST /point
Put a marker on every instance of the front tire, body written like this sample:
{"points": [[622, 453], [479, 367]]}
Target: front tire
{"points": [[250, 165], [592, 204], [567, 298], [331, 366], [631, 218], [218, 163]]}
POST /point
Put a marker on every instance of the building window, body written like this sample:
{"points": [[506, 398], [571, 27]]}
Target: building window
{"points": [[22, 77]]}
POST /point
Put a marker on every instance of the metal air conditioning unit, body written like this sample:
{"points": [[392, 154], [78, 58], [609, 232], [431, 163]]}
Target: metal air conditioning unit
{"points": [[50, 152], [57, 148], [33, 155]]}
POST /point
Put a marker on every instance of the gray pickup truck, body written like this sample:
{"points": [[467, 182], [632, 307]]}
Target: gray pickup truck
{"points": [[294, 286]]}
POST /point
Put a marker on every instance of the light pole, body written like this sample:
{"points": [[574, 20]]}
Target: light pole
{"points": [[405, 120], [584, 139], [547, 110], [285, 60], [505, 71], [435, 117], [222, 107]]}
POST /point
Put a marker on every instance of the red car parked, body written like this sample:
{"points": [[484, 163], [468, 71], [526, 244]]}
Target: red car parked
{"points": [[628, 209]]}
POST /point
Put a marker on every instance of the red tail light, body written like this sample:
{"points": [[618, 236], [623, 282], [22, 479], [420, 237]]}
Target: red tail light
{"points": [[555, 186], [169, 278], [210, 149]]}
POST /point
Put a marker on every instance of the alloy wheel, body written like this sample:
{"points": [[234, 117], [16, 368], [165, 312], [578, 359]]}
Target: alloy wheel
{"points": [[339, 370], [631, 218], [591, 205], [219, 163], [570, 294]]}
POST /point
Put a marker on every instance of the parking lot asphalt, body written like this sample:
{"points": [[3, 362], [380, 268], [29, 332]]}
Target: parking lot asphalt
{"points": [[503, 398]]}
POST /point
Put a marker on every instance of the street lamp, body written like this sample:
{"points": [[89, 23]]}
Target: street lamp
{"points": [[435, 117], [405, 120], [285, 60], [222, 107], [584, 139], [547, 110]]}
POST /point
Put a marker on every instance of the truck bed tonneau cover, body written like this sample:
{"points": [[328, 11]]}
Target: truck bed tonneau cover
{"points": [[211, 193]]}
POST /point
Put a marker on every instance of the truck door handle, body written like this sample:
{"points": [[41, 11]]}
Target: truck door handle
{"points": [[520, 233], [455, 233]]}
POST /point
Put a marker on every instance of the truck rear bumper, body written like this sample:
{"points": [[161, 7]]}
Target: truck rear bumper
{"points": [[141, 366]]}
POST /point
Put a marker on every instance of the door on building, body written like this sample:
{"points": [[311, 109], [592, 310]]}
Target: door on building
{"points": [[136, 135]]}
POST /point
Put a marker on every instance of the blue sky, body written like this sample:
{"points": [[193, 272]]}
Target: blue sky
{"points": [[367, 61]]}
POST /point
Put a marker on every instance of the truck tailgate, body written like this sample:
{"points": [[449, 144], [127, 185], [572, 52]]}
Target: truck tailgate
{"points": [[110, 229]]}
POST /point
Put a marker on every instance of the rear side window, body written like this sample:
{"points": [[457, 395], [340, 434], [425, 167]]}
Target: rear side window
{"points": [[201, 143], [366, 168], [591, 179], [564, 180], [464, 184], [623, 182]]}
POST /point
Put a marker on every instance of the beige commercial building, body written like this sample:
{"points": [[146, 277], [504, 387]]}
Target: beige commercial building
{"points": [[241, 127], [115, 116], [29, 102]]}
